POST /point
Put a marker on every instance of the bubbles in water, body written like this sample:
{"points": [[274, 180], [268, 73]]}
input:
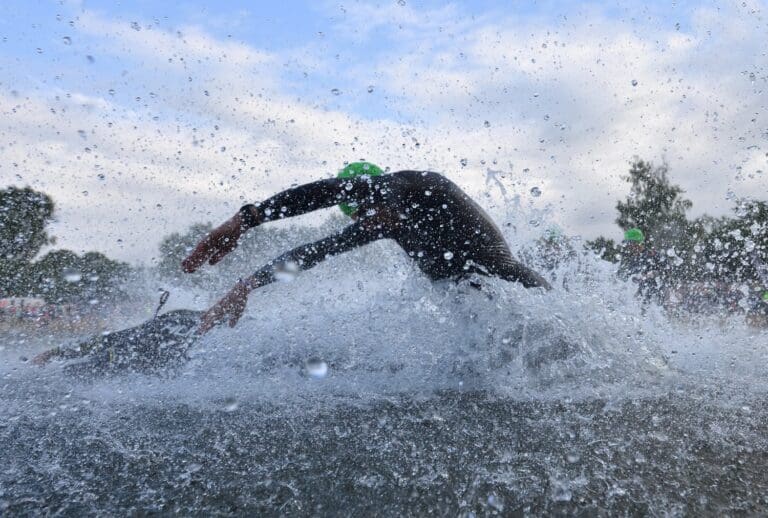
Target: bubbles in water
{"points": [[535, 192], [316, 368], [561, 492]]}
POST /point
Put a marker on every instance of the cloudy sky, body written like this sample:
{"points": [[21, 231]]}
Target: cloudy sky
{"points": [[140, 118]]}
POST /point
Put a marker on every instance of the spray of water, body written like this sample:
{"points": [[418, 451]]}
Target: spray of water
{"points": [[363, 344]]}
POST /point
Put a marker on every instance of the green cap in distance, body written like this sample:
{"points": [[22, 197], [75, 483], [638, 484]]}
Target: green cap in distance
{"points": [[634, 234], [357, 169]]}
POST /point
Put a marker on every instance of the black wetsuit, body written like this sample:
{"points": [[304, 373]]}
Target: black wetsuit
{"points": [[446, 233]]}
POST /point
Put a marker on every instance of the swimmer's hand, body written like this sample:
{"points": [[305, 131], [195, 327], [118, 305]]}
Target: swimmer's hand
{"points": [[229, 308], [213, 247]]}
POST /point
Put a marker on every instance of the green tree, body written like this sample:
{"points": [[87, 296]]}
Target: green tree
{"points": [[605, 248], [63, 276], [655, 206], [58, 276], [24, 213], [737, 247]]}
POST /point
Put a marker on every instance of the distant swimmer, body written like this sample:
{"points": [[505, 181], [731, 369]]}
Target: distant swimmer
{"points": [[156, 346], [159, 344], [440, 228]]}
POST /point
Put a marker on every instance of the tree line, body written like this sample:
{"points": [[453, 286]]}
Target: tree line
{"points": [[731, 248], [58, 276]]}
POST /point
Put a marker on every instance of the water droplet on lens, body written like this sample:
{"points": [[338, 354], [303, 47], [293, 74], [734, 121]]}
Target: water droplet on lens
{"points": [[230, 404], [463, 162], [487, 124], [535, 192], [448, 256], [634, 82], [336, 91], [561, 492], [316, 368], [496, 502], [39, 50], [72, 276], [67, 40], [401, 3], [370, 89]]}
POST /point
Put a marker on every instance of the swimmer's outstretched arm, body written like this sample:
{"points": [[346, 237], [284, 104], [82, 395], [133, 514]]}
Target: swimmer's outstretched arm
{"points": [[304, 257], [292, 202]]}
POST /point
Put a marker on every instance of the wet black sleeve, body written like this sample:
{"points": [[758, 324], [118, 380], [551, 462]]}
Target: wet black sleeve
{"points": [[319, 195], [306, 256]]}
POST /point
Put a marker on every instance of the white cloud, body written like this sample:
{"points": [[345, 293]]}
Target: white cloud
{"points": [[561, 108], [589, 96]]}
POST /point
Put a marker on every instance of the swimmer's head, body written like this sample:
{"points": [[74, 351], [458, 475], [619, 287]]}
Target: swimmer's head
{"points": [[351, 171], [634, 235]]}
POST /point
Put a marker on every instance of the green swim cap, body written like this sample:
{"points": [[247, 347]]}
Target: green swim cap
{"points": [[357, 169], [634, 234], [764, 296]]}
